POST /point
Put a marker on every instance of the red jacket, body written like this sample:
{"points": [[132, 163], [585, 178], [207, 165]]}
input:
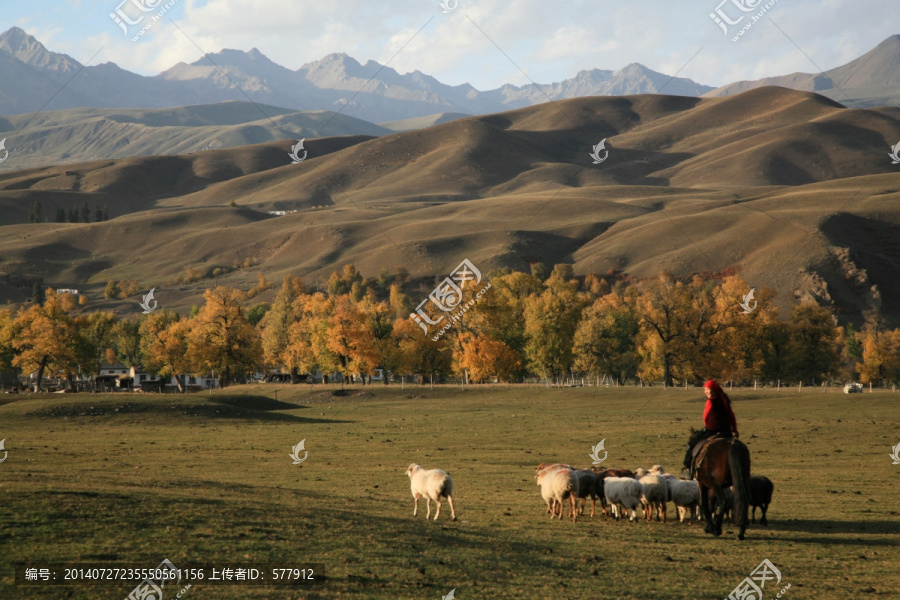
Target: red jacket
{"points": [[717, 410]]}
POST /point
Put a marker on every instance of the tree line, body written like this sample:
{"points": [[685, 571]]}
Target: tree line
{"points": [[74, 215], [545, 324]]}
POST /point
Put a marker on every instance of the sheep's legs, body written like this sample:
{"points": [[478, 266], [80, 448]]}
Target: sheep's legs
{"points": [[438, 511], [416, 505], [428, 504], [574, 512], [593, 507], [452, 510]]}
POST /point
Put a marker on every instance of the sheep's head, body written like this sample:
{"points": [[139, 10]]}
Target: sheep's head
{"points": [[657, 469], [412, 469], [639, 472]]}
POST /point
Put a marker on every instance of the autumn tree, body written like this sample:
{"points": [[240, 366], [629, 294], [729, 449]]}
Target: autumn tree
{"points": [[275, 326], [349, 339], [9, 331], [48, 339], [222, 339], [483, 358], [880, 350], [417, 353], [164, 345]]}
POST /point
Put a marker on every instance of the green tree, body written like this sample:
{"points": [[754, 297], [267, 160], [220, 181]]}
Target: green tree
{"points": [[106, 212], [85, 212], [550, 322], [73, 214], [127, 342], [37, 294], [256, 312], [60, 214], [98, 214], [604, 342], [112, 289], [814, 349], [97, 330], [37, 215]]}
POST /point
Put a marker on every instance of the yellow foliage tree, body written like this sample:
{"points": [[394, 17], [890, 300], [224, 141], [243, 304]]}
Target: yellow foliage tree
{"points": [[221, 338]]}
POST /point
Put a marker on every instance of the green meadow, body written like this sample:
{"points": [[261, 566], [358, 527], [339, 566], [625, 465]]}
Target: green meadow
{"points": [[136, 478]]}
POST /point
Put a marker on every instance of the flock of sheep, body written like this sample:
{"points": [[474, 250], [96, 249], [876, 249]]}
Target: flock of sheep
{"points": [[619, 491]]}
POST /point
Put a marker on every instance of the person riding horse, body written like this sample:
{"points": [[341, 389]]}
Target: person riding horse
{"points": [[718, 419]]}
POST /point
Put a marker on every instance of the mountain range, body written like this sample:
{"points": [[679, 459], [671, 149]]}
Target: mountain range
{"points": [[790, 189], [104, 111], [332, 83]]}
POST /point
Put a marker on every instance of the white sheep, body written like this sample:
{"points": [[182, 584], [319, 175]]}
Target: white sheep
{"points": [[686, 496], [654, 495], [622, 493], [684, 493], [433, 484], [557, 484]]}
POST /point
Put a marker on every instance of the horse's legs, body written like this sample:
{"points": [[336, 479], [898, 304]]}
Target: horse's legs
{"points": [[704, 508], [719, 492], [763, 509]]}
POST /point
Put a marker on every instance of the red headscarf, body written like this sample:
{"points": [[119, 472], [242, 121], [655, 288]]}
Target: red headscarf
{"points": [[718, 414]]}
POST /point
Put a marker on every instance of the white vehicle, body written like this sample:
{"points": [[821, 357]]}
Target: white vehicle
{"points": [[853, 388]]}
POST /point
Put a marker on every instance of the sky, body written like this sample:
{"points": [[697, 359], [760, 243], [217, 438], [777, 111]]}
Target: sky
{"points": [[486, 43]]}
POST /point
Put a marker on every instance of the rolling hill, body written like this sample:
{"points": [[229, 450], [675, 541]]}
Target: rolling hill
{"points": [[791, 189], [83, 134], [871, 80]]}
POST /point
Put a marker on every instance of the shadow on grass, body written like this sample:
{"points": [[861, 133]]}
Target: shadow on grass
{"points": [[178, 407], [255, 402], [831, 527]]}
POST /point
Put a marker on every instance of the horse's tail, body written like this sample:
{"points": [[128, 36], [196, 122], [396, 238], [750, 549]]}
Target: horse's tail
{"points": [[739, 459]]}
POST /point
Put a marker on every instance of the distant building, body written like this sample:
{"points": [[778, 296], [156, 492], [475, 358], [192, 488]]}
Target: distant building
{"points": [[67, 291], [281, 213], [142, 380]]}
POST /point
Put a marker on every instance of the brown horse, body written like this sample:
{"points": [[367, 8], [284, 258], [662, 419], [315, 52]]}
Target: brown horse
{"points": [[727, 463]]}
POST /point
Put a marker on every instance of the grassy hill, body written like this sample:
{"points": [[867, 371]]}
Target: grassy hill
{"points": [[765, 182], [85, 134]]}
